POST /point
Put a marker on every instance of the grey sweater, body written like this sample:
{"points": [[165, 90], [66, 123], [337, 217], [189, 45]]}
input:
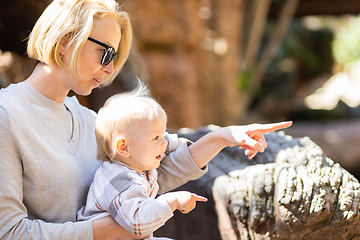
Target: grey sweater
{"points": [[47, 163]]}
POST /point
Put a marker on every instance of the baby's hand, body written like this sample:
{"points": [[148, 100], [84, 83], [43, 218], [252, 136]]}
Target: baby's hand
{"points": [[251, 137], [187, 201], [183, 201]]}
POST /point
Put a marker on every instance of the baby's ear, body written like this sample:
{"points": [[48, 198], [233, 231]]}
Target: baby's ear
{"points": [[121, 147]]}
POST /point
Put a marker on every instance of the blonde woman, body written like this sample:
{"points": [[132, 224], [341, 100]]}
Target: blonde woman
{"points": [[47, 144]]}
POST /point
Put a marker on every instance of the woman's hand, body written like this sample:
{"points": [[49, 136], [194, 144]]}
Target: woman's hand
{"points": [[107, 229]]}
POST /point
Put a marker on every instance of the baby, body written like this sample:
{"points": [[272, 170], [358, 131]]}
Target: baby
{"points": [[132, 142], [131, 139]]}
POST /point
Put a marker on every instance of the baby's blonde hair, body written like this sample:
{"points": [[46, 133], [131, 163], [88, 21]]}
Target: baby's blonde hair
{"points": [[76, 18], [118, 112]]}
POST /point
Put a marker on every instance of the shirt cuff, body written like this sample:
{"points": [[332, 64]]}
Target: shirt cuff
{"points": [[187, 162], [164, 208], [173, 142]]}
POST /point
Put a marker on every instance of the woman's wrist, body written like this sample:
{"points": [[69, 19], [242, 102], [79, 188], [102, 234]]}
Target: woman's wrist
{"points": [[108, 229]]}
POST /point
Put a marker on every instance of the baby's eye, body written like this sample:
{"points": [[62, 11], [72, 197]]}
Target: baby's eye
{"points": [[156, 138]]}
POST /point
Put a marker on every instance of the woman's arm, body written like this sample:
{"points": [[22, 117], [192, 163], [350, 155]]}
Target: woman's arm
{"points": [[14, 221], [107, 229]]}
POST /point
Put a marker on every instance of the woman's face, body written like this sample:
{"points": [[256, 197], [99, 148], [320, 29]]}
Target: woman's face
{"points": [[91, 72]]}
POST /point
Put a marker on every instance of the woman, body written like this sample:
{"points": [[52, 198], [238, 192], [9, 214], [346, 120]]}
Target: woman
{"points": [[47, 144]]}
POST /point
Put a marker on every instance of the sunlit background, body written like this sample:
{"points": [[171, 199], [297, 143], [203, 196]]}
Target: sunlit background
{"points": [[232, 62]]}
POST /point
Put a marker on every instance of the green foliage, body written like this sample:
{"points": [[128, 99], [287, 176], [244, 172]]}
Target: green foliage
{"points": [[243, 80], [346, 45]]}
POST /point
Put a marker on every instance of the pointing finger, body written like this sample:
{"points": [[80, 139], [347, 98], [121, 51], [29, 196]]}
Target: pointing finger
{"points": [[265, 128], [200, 198]]}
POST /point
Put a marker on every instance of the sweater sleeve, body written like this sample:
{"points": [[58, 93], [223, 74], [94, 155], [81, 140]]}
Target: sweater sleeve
{"points": [[138, 213], [177, 168], [14, 221], [173, 142]]}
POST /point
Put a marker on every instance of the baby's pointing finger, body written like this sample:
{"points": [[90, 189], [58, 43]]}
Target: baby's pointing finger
{"points": [[200, 198], [265, 128]]}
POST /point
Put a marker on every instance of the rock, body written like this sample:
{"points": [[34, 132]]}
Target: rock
{"points": [[339, 139], [291, 191], [302, 195], [202, 222]]}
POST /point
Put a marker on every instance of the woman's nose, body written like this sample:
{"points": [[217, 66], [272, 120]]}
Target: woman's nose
{"points": [[109, 69]]}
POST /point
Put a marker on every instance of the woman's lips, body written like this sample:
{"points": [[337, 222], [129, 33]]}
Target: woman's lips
{"points": [[97, 81]]}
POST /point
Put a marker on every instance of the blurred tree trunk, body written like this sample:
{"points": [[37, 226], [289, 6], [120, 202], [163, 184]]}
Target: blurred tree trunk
{"points": [[191, 50], [253, 71]]}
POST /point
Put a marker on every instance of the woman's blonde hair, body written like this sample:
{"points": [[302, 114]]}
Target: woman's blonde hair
{"points": [[118, 112], [76, 18]]}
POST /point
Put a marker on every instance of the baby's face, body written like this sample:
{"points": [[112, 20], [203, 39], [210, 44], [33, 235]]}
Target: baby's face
{"points": [[146, 144]]}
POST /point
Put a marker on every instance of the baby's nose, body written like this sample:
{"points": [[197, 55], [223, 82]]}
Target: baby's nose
{"points": [[164, 143]]}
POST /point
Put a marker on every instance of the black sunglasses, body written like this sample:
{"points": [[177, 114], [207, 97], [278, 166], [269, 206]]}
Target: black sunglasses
{"points": [[109, 52]]}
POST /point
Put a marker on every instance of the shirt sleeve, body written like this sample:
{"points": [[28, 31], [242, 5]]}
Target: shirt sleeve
{"points": [[138, 213], [173, 142], [177, 168], [14, 221]]}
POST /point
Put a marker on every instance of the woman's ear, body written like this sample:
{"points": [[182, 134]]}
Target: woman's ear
{"points": [[64, 44], [122, 147]]}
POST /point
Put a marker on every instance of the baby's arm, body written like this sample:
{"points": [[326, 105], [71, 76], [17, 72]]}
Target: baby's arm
{"points": [[249, 137], [177, 167], [142, 215], [138, 213]]}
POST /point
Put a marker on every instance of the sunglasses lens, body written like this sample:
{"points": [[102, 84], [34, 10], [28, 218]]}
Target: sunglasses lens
{"points": [[108, 56], [109, 52]]}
